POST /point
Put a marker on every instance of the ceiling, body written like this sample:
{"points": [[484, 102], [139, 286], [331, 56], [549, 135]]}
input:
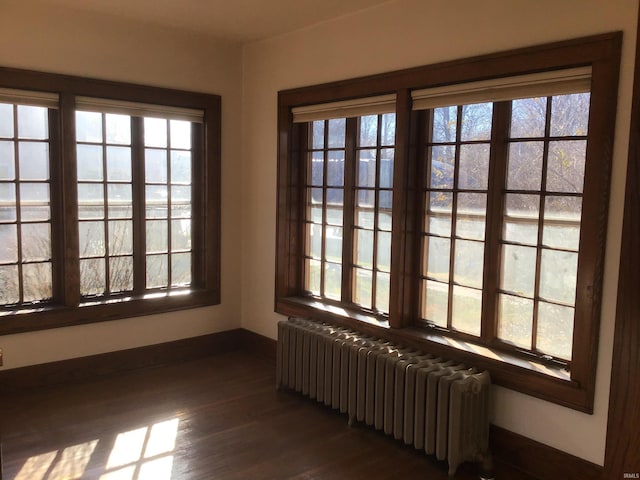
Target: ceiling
{"points": [[234, 20]]}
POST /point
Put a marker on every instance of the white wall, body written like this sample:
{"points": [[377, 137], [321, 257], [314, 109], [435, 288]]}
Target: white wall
{"points": [[39, 37], [406, 33]]}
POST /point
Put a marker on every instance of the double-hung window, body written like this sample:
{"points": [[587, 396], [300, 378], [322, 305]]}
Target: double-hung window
{"points": [[109, 200], [491, 176]]}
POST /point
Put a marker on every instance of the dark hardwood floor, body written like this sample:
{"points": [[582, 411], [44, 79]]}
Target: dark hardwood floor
{"points": [[211, 419]]}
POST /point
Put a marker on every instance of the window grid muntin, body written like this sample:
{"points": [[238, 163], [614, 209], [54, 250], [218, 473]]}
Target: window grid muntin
{"points": [[375, 271], [105, 183], [451, 284], [16, 140], [544, 194], [170, 254]]}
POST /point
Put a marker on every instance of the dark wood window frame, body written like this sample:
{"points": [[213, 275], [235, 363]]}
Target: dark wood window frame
{"points": [[67, 307], [574, 389]]}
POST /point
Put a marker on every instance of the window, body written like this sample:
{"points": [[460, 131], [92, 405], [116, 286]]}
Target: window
{"points": [[493, 251], [103, 194], [349, 189], [25, 211]]}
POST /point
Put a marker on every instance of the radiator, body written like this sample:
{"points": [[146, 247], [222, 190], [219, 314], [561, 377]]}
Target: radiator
{"points": [[438, 406]]}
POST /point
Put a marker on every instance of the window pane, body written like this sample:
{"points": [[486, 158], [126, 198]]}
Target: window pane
{"points": [[471, 215], [473, 171], [92, 276], [332, 280], [558, 272], [120, 202], [444, 124], [180, 269], [7, 161], [337, 128], [439, 213], [476, 121], [525, 166], [437, 251], [34, 160], [382, 291], [468, 263], [335, 196], [118, 129], [155, 132], [156, 199], [555, 330], [92, 241], [528, 117], [565, 171], [155, 166], [368, 131], [562, 217], [364, 248], [442, 167], [180, 235], [180, 134], [36, 241], [312, 276], [157, 271], [157, 236], [333, 244], [385, 203], [570, 114], [120, 274], [121, 238], [9, 285], [386, 167], [466, 309], [180, 167], [518, 270], [7, 202], [384, 251], [8, 243], [317, 134], [388, 134], [436, 301], [119, 164], [367, 168], [317, 168], [521, 218], [6, 120], [89, 163], [335, 169], [90, 201], [515, 320], [313, 247], [89, 127], [33, 122], [363, 287], [36, 279]]}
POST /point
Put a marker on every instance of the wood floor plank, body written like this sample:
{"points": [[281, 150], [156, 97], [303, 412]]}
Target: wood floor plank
{"points": [[214, 418]]}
